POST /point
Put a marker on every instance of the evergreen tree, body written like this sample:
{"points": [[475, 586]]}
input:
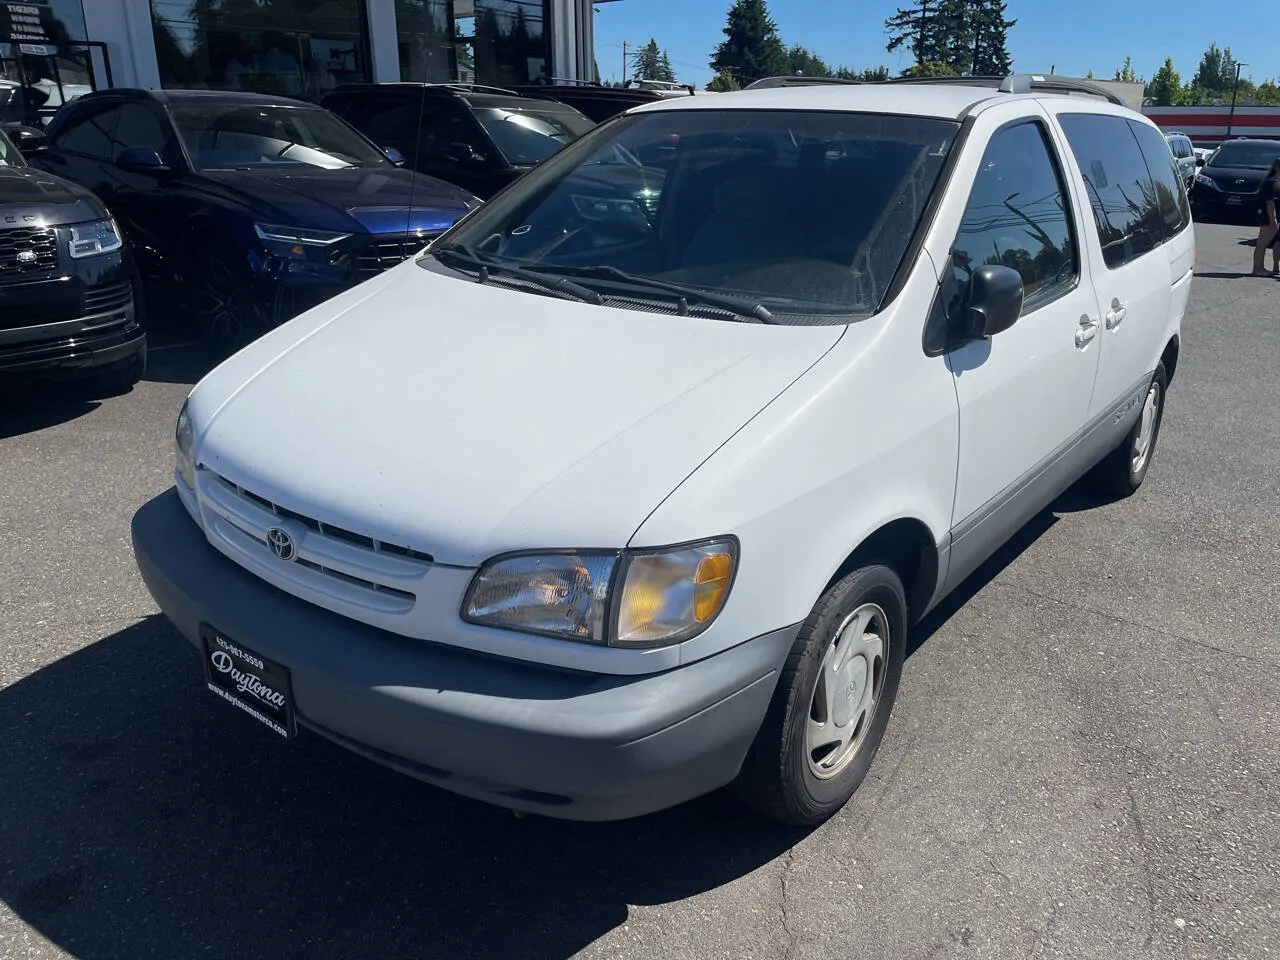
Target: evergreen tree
{"points": [[870, 75], [751, 49], [1165, 88], [1125, 74], [990, 32], [723, 82], [806, 63], [646, 63], [921, 29], [665, 70]]}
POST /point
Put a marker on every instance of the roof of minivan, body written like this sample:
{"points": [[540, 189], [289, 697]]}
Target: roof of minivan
{"points": [[941, 100]]}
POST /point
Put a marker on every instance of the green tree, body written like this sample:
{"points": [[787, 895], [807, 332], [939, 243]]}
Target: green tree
{"points": [[751, 49], [651, 63], [723, 82], [921, 29], [665, 70], [990, 38], [869, 75], [1125, 74], [806, 63], [1089, 75], [929, 70], [1165, 88]]}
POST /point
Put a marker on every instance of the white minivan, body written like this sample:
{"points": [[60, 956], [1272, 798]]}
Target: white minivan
{"points": [[631, 486]]}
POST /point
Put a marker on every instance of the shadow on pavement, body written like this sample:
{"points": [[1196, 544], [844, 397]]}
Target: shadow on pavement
{"points": [[27, 410], [140, 817], [1036, 528]]}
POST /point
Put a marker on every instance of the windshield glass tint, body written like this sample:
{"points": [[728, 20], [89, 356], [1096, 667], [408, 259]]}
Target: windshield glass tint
{"points": [[1258, 155], [806, 213], [232, 137], [9, 156], [530, 136]]}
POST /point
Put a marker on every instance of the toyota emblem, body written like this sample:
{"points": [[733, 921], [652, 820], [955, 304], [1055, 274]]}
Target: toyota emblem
{"points": [[282, 543]]}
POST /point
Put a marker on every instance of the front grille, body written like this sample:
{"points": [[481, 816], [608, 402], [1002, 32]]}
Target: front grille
{"points": [[383, 253], [324, 529], [28, 252], [107, 297], [337, 568]]}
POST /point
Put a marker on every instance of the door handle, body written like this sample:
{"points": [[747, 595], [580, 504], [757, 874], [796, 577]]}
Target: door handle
{"points": [[1117, 313], [1087, 330]]}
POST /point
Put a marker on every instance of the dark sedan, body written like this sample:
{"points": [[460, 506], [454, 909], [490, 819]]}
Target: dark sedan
{"points": [[256, 207], [68, 290], [1227, 186]]}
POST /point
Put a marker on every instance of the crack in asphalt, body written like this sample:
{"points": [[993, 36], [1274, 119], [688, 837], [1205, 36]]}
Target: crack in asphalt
{"points": [[1158, 631], [792, 936], [1148, 883]]}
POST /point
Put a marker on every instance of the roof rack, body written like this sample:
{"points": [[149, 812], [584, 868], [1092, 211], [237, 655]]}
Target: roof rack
{"points": [[1014, 83], [770, 83]]}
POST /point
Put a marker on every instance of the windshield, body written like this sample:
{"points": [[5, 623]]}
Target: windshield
{"points": [[528, 135], [1259, 155], [9, 156], [232, 137], [806, 214]]}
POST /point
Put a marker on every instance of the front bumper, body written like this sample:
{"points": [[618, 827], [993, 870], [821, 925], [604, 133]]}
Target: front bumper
{"points": [[572, 745]]}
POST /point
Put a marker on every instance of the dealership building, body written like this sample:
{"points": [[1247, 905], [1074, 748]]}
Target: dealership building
{"points": [[293, 47]]}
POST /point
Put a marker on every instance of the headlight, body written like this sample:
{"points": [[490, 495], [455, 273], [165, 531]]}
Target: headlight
{"points": [[641, 598], [93, 239], [293, 241], [1207, 182], [185, 448]]}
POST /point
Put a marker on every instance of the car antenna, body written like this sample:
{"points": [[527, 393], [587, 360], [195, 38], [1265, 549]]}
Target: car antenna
{"points": [[413, 173]]}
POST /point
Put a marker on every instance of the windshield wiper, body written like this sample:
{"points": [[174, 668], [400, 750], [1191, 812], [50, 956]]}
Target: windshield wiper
{"points": [[740, 306], [485, 266]]}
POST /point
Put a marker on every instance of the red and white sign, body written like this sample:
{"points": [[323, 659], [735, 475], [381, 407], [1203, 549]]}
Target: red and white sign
{"points": [[1207, 126]]}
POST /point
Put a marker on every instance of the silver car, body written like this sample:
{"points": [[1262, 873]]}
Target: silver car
{"points": [[1184, 153]]}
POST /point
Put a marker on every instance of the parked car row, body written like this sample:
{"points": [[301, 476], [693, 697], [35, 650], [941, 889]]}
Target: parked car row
{"points": [[252, 208], [1229, 183]]}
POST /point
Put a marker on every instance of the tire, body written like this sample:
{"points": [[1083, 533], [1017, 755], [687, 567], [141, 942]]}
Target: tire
{"points": [[1120, 473], [813, 749], [230, 314]]}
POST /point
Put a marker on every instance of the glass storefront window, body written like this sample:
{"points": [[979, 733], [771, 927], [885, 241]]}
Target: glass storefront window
{"points": [[43, 64], [494, 42], [295, 48]]}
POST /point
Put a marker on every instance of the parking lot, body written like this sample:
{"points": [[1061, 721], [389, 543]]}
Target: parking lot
{"points": [[1084, 758]]}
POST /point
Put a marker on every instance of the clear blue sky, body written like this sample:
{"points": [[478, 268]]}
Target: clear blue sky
{"points": [[1074, 37]]}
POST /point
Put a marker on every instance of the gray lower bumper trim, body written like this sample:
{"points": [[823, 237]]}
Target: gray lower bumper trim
{"points": [[574, 745]]}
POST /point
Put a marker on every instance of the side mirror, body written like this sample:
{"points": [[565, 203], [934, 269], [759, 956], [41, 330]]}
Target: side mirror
{"points": [[394, 155], [142, 160], [994, 303], [1199, 161]]}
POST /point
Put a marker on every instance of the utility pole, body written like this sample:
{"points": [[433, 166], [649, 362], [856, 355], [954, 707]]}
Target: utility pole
{"points": [[624, 63], [1235, 89]]}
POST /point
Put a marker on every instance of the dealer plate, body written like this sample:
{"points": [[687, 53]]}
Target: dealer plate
{"points": [[258, 686]]}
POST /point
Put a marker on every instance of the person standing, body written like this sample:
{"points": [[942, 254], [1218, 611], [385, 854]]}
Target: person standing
{"points": [[1269, 225]]}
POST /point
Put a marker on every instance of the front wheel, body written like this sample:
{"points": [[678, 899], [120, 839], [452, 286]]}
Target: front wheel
{"points": [[832, 702], [1122, 471], [228, 309]]}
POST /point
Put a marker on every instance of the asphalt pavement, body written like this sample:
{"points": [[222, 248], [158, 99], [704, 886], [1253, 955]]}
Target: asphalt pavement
{"points": [[1084, 758]]}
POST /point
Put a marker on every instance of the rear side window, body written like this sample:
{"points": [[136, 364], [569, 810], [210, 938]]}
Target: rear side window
{"points": [[87, 133], [1121, 191], [387, 122], [1018, 217], [1171, 195]]}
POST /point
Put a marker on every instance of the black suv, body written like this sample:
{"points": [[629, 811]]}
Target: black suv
{"points": [[480, 138], [1228, 185], [67, 284]]}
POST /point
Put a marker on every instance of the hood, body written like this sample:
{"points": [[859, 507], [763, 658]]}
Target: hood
{"points": [[375, 200], [29, 196], [466, 420]]}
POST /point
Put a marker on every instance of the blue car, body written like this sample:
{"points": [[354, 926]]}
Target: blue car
{"points": [[254, 208]]}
